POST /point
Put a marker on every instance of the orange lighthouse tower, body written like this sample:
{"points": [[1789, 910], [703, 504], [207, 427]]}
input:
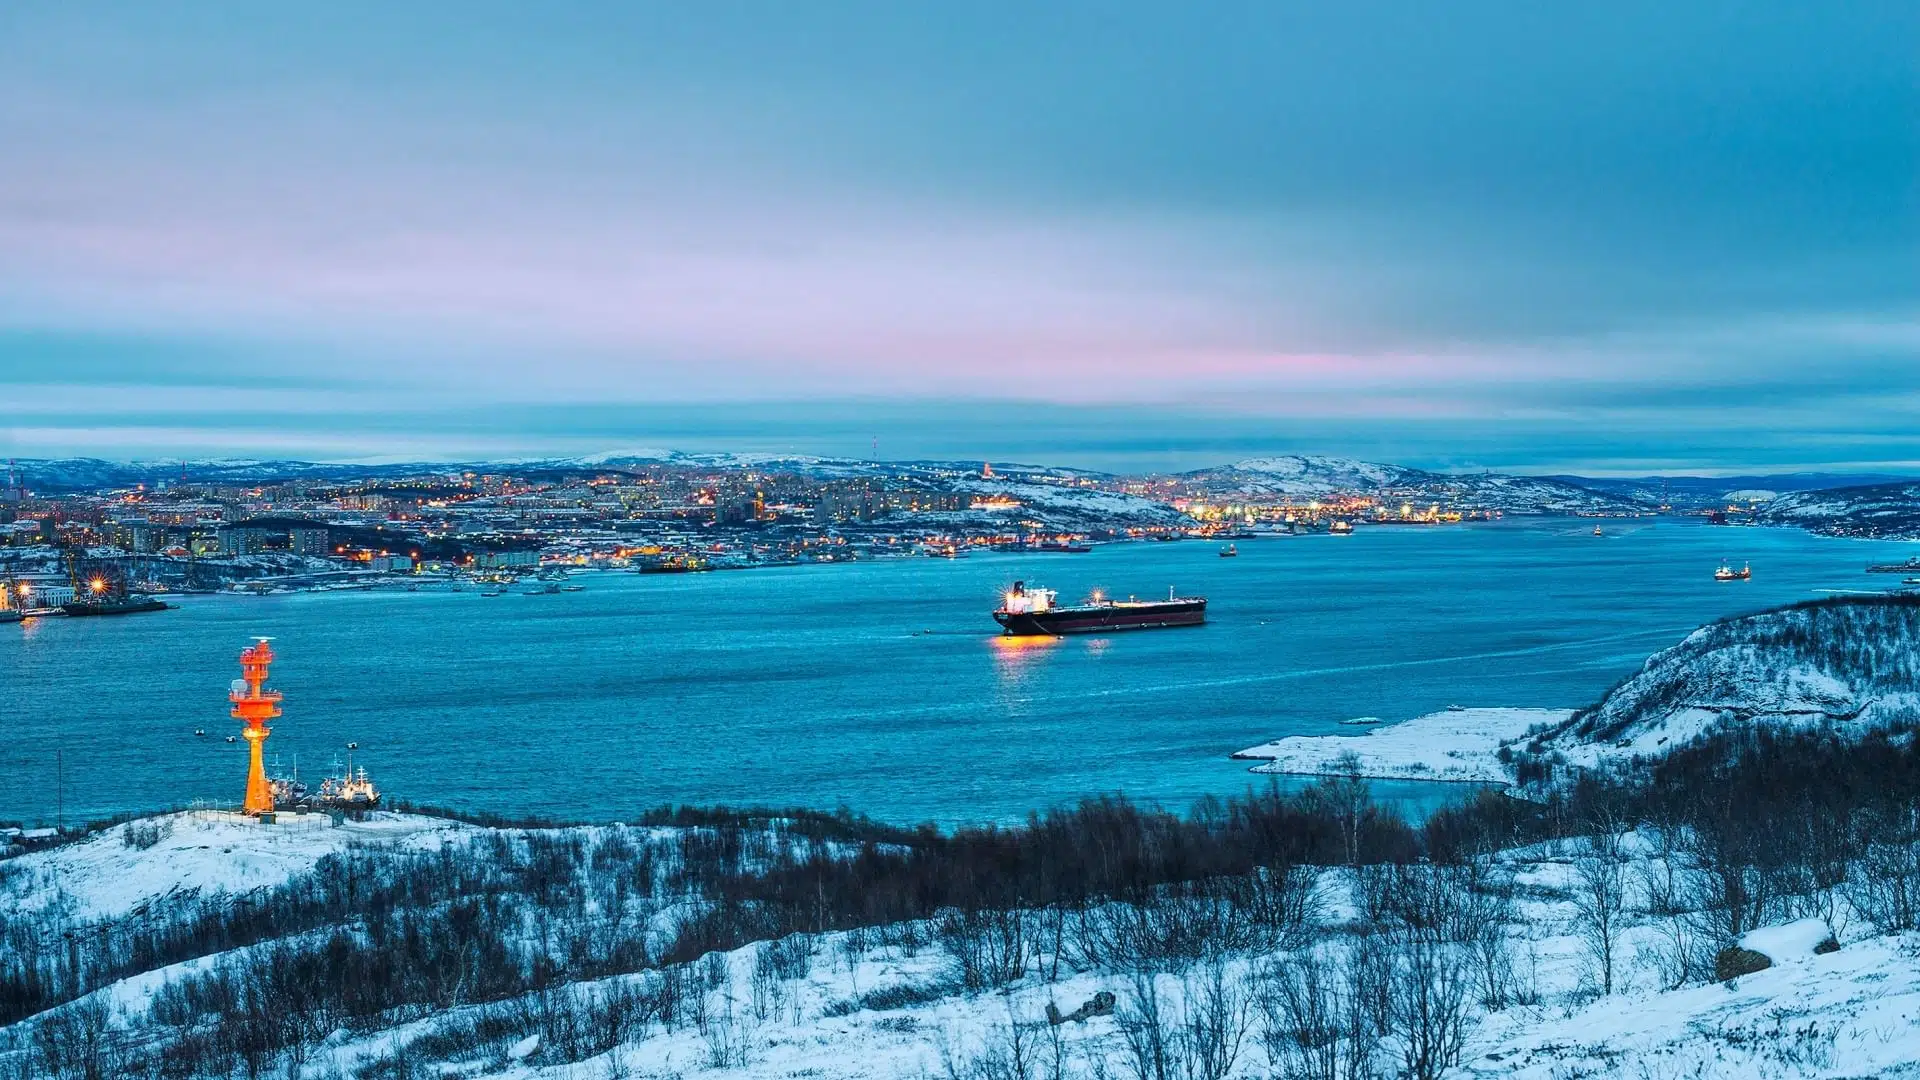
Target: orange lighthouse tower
{"points": [[255, 706]]}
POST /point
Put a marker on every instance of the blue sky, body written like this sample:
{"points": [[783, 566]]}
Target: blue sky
{"points": [[1640, 237]]}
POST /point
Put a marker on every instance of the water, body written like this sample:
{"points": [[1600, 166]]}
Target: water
{"points": [[881, 686]]}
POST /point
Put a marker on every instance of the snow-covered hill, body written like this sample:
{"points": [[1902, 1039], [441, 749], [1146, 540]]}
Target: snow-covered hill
{"points": [[1849, 662], [1069, 509], [1879, 510], [1307, 476]]}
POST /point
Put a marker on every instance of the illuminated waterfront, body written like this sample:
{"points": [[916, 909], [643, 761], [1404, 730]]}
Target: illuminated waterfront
{"points": [[881, 686]]}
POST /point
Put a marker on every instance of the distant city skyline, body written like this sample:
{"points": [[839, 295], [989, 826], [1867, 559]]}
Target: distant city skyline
{"points": [[1642, 238]]}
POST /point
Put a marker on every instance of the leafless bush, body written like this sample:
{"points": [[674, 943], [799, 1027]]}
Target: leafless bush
{"points": [[1317, 1022], [989, 947], [1012, 1051], [1885, 888], [1178, 927], [74, 1044], [1427, 991], [141, 835], [1218, 1014], [1147, 1030], [1197, 1035]]}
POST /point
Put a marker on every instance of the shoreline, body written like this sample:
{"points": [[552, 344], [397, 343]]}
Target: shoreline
{"points": [[1452, 746]]}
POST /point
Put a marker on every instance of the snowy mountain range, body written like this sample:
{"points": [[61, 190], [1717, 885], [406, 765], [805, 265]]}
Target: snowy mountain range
{"points": [[1308, 476], [55, 475]]}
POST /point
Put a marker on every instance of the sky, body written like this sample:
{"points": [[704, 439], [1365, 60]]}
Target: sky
{"points": [[1619, 238]]}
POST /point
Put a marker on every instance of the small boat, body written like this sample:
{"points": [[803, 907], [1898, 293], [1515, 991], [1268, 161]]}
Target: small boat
{"points": [[1597, 532], [233, 738], [1229, 551], [1340, 528], [1728, 573], [199, 732]]}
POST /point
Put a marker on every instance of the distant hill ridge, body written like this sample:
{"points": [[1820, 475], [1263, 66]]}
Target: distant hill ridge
{"points": [[1889, 510]]}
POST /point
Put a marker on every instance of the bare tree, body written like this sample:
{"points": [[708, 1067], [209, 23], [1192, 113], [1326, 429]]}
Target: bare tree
{"points": [[1145, 1030], [1600, 897], [1303, 1005], [1427, 1004], [1344, 795], [1218, 1017]]}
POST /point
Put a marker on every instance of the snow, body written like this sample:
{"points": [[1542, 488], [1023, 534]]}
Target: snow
{"points": [[1850, 1013], [1790, 941], [199, 853], [1847, 1014], [1455, 745]]}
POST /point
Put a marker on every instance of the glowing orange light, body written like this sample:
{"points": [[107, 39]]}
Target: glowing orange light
{"points": [[1024, 642], [98, 585]]}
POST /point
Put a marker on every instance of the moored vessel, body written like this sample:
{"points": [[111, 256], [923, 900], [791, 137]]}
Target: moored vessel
{"points": [[1027, 612], [1728, 573], [1911, 566], [126, 605]]}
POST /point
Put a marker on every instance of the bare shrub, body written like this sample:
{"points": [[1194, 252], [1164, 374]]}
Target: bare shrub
{"points": [[1886, 888], [1427, 991], [988, 947]]}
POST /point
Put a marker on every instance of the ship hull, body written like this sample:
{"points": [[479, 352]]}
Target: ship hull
{"points": [[1102, 619], [130, 607]]}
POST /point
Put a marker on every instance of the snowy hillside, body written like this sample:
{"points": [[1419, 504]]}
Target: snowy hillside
{"points": [[1511, 971], [1852, 662], [1845, 663], [1071, 509], [1305, 476], [1877, 510]]}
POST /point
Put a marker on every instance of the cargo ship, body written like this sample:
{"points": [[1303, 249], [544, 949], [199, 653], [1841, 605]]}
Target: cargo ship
{"points": [[1028, 612], [1908, 567], [1728, 573]]}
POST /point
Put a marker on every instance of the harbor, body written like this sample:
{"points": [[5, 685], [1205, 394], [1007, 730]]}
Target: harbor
{"points": [[761, 687]]}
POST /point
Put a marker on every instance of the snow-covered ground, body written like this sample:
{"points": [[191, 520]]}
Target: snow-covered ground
{"points": [[1455, 745], [193, 854], [876, 1012]]}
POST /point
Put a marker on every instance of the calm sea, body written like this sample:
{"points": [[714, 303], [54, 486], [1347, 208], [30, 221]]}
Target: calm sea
{"points": [[881, 686]]}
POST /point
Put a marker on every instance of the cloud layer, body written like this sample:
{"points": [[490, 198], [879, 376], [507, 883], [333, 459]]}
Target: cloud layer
{"points": [[370, 227]]}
